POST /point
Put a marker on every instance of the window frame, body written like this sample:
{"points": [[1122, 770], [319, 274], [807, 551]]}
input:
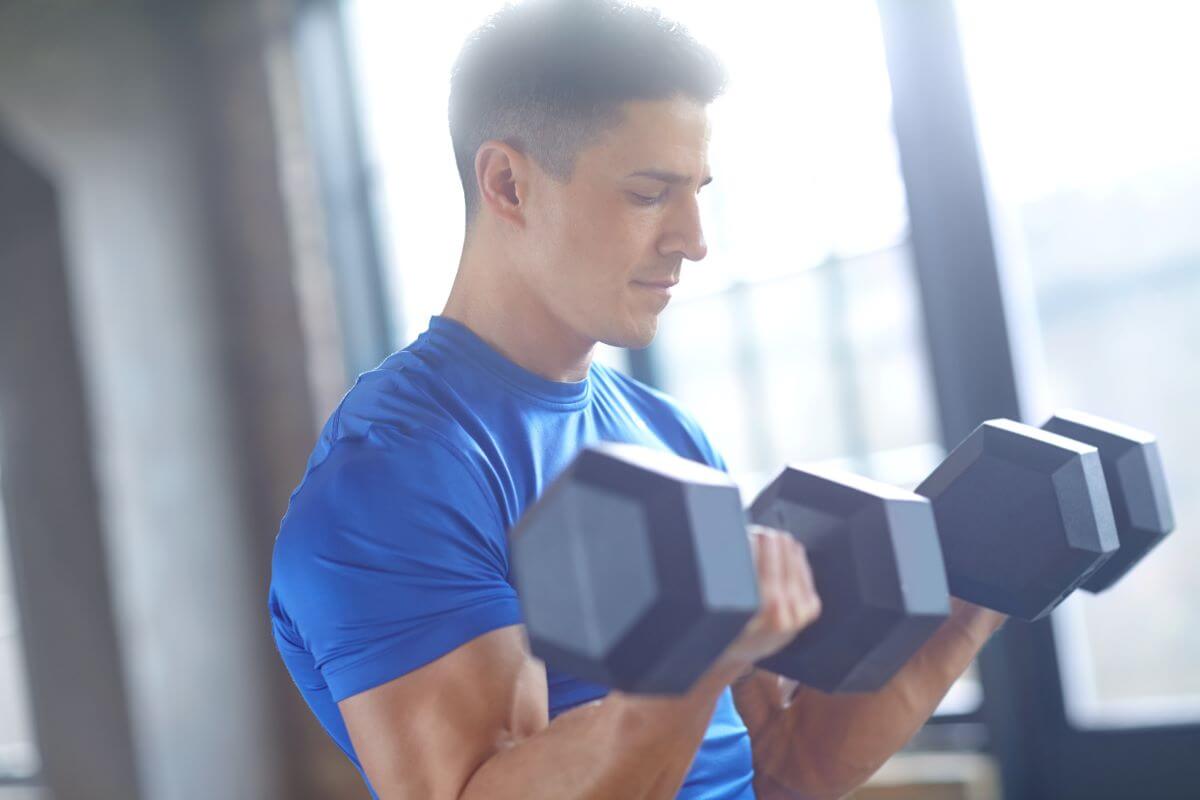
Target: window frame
{"points": [[974, 312]]}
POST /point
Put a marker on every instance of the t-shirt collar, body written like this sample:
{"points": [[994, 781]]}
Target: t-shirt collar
{"points": [[466, 341]]}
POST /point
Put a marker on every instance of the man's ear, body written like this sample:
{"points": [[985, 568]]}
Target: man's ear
{"points": [[502, 179]]}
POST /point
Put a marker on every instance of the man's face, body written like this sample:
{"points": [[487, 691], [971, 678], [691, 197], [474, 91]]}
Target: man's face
{"points": [[606, 247]]}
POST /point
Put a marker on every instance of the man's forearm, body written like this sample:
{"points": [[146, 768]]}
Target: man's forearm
{"points": [[622, 746], [823, 745]]}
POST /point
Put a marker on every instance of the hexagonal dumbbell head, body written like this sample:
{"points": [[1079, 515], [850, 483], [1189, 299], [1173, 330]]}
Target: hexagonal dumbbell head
{"points": [[634, 569], [1023, 516], [1137, 487], [878, 570]]}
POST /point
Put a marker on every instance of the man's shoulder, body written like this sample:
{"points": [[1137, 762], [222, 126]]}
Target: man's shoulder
{"points": [[401, 392], [374, 479], [403, 404], [391, 431]]}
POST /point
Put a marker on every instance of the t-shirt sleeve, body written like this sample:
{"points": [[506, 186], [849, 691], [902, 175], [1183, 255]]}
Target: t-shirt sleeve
{"points": [[390, 556]]}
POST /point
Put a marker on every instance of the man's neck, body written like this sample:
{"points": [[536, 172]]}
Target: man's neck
{"points": [[498, 308]]}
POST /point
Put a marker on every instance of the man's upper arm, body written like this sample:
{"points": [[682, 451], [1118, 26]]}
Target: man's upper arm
{"points": [[423, 735], [391, 566]]}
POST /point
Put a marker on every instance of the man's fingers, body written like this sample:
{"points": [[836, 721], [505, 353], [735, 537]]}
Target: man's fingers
{"points": [[789, 572], [797, 591], [806, 586], [789, 598]]}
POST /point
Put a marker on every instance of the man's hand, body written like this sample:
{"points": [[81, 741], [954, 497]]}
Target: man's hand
{"points": [[815, 745], [788, 597]]}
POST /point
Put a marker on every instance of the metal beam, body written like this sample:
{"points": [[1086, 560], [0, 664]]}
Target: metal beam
{"points": [[951, 231], [959, 282]]}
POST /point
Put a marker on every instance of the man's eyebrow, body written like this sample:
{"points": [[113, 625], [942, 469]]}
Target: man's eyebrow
{"points": [[666, 177]]}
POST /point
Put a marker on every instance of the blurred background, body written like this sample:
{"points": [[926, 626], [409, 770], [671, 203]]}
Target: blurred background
{"points": [[927, 213]]}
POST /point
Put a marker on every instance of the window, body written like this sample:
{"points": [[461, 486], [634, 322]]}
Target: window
{"points": [[798, 337], [1092, 139]]}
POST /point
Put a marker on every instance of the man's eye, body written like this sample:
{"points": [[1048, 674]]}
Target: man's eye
{"points": [[647, 201]]}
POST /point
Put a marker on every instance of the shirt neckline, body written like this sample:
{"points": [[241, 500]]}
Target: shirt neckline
{"points": [[465, 341]]}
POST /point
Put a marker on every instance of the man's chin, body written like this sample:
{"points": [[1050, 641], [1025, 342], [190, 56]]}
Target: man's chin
{"points": [[635, 336]]}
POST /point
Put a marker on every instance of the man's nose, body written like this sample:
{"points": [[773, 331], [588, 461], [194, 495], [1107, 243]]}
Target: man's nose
{"points": [[685, 234]]}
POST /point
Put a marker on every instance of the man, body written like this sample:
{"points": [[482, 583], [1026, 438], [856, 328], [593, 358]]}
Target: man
{"points": [[581, 138]]}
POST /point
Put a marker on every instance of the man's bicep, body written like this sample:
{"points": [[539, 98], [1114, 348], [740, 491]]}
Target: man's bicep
{"points": [[390, 560], [424, 734]]}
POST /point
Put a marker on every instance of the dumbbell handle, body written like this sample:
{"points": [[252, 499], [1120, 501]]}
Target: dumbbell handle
{"points": [[877, 568]]}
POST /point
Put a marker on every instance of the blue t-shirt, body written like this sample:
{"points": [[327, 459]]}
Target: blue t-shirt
{"points": [[394, 550]]}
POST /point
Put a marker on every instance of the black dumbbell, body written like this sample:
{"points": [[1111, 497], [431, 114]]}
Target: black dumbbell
{"points": [[1137, 487], [1023, 516], [634, 570], [878, 570]]}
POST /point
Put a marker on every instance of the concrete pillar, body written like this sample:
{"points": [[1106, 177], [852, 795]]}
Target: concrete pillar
{"points": [[209, 352]]}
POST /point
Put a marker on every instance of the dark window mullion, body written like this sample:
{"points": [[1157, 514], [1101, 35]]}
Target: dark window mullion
{"points": [[960, 281]]}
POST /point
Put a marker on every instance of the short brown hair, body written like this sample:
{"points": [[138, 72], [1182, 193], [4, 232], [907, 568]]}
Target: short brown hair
{"points": [[548, 76]]}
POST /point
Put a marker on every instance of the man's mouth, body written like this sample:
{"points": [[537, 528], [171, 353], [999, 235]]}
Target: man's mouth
{"points": [[666, 283]]}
